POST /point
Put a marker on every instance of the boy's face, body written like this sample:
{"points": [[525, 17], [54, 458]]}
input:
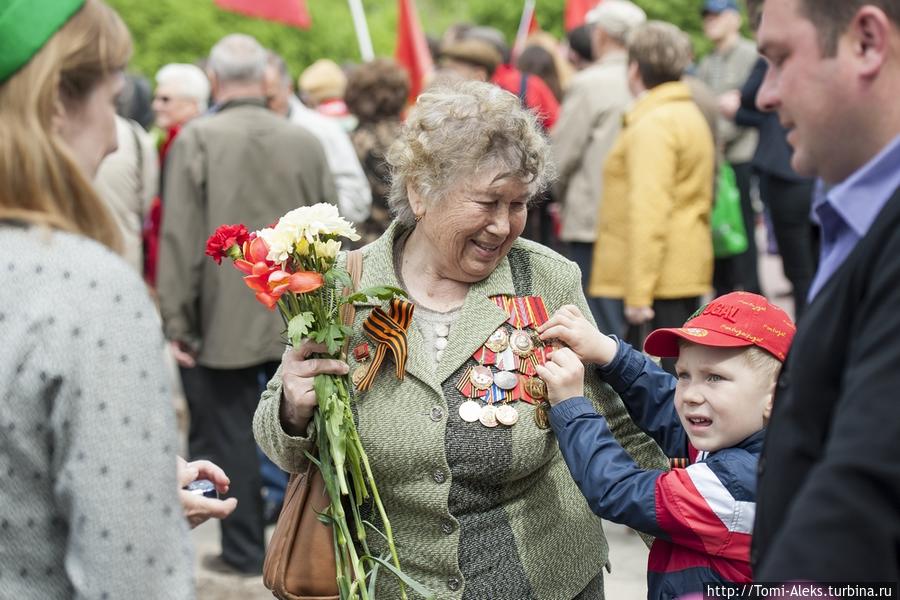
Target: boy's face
{"points": [[720, 398]]}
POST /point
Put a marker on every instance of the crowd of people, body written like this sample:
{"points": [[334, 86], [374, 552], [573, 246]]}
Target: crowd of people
{"points": [[580, 348]]}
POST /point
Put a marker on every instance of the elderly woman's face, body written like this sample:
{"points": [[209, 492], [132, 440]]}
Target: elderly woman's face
{"points": [[474, 227]]}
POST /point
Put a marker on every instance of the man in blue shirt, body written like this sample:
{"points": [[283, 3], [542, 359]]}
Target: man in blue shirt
{"points": [[828, 505]]}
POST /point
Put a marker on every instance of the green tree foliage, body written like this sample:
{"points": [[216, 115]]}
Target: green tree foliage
{"points": [[184, 30]]}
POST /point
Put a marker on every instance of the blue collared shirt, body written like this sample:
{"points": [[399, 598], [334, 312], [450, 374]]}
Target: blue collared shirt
{"points": [[847, 210]]}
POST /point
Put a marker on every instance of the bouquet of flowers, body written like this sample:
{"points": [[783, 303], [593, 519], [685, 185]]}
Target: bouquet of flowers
{"points": [[291, 265]]}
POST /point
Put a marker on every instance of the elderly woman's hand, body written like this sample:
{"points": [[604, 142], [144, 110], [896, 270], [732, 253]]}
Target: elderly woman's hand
{"points": [[198, 509], [298, 372]]}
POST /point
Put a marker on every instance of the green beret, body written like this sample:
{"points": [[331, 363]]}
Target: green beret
{"points": [[26, 25]]}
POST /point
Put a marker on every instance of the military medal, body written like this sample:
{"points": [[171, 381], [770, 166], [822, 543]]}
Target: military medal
{"points": [[505, 380], [507, 415], [488, 415], [542, 415], [499, 341], [521, 343], [481, 377], [536, 388], [470, 411], [361, 354]]}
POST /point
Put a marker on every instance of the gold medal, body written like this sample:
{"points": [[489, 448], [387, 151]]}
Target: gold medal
{"points": [[359, 373], [499, 341], [507, 415], [536, 388], [469, 411], [488, 416], [521, 343], [542, 415], [481, 377]]}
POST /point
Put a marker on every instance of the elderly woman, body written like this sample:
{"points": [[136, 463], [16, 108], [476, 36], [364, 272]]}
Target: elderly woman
{"points": [[480, 500], [89, 506], [654, 246]]}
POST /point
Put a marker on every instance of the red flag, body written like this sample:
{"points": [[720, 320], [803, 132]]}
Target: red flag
{"points": [[527, 25], [289, 12], [412, 49], [576, 11]]}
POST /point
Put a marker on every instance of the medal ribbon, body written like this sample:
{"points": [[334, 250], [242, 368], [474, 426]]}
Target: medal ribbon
{"points": [[388, 331]]}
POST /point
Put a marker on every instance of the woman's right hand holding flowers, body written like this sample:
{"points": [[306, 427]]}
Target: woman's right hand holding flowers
{"points": [[298, 393]]}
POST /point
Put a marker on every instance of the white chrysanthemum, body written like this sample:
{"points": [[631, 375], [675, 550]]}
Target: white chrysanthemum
{"points": [[316, 220], [327, 249], [280, 241]]}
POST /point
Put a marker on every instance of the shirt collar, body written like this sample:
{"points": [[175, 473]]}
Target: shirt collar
{"points": [[858, 199]]}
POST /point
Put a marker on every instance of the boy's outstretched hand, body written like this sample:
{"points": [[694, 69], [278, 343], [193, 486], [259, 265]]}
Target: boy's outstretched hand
{"points": [[564, 375], [570, 327]]}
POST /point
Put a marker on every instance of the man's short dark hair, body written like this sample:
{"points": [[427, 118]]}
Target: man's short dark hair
{"points": [[580, 42], [831, 17]]}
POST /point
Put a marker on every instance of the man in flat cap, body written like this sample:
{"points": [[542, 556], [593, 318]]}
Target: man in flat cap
{"points": [[589, 123]]}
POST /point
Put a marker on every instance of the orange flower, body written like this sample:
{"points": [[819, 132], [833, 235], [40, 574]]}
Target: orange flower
{"points": [[255, 252], [302, 282], [270, 283]]}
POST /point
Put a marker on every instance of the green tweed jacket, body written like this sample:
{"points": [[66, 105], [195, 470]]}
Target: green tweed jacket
{"points": [[477, 513]]}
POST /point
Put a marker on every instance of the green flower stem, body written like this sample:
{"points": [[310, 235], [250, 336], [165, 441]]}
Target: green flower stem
{"points": [[339, 518], [388, 532]]}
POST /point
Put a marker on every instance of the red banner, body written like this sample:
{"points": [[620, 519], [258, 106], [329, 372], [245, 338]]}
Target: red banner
{"points": [[412, 49], [289, 12], [576, 10]]}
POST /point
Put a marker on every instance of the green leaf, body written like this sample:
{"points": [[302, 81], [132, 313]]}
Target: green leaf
{"points": [[298, 327], [415, 585]]}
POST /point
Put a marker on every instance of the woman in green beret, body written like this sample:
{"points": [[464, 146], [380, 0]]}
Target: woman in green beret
{"points": [[89, 501], [480, 500]]}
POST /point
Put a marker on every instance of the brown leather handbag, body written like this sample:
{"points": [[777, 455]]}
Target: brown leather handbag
{"points": [[299, 561]]}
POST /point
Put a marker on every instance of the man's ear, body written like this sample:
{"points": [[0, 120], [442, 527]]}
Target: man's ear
{"points": [[869, 37]]}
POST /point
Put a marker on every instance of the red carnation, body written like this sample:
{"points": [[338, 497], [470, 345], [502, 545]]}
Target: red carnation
{"points": [[226, 241]]}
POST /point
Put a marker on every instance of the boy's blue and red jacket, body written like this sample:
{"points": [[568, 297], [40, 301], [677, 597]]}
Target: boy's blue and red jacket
{"points": [[702, 515]]}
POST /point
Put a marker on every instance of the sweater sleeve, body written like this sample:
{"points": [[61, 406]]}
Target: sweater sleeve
{"points": [[114, 444], [286, 451]]}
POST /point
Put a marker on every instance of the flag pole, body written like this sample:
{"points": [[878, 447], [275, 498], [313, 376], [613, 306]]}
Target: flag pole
{"points": [[522, 32], [362, 30]]}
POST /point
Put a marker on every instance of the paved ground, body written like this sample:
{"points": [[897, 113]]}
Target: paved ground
{"points": [[628, 553], [627, 581]]}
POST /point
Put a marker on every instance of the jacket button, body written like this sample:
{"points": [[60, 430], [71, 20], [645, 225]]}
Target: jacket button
{"points": [[453, 583], [439, 476], [437, 414], [447, 527]]}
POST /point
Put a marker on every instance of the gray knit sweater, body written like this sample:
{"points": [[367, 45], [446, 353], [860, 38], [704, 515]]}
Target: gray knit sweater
{"points": [[88, 493]]}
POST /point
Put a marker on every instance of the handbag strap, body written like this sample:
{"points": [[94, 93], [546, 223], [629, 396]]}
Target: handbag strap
{"points": [[348, 311]]}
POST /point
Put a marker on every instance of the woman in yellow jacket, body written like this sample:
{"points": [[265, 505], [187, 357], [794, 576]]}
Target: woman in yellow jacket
{"points": [[654, 248]]}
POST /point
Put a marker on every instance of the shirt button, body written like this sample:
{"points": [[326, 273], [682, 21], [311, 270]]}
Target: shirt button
{"points": [[439, 476], [453, 584], [437, 414], [447, 527], [761, 466]]}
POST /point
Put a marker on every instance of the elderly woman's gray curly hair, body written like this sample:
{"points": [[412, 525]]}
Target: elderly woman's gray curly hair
{"points": [[457, 131]]}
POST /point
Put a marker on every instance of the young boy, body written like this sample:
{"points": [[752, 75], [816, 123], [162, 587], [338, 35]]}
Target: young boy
{"points": [[729, 356]]}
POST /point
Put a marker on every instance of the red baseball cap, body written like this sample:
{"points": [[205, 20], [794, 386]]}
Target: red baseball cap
{"points": [[734, 320]]}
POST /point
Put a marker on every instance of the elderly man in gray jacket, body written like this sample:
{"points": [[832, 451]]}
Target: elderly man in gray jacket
{"points": [[589, 123], [243, 164]]}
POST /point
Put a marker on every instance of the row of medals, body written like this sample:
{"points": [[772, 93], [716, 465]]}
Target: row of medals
{"points": [[522, 343]]}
